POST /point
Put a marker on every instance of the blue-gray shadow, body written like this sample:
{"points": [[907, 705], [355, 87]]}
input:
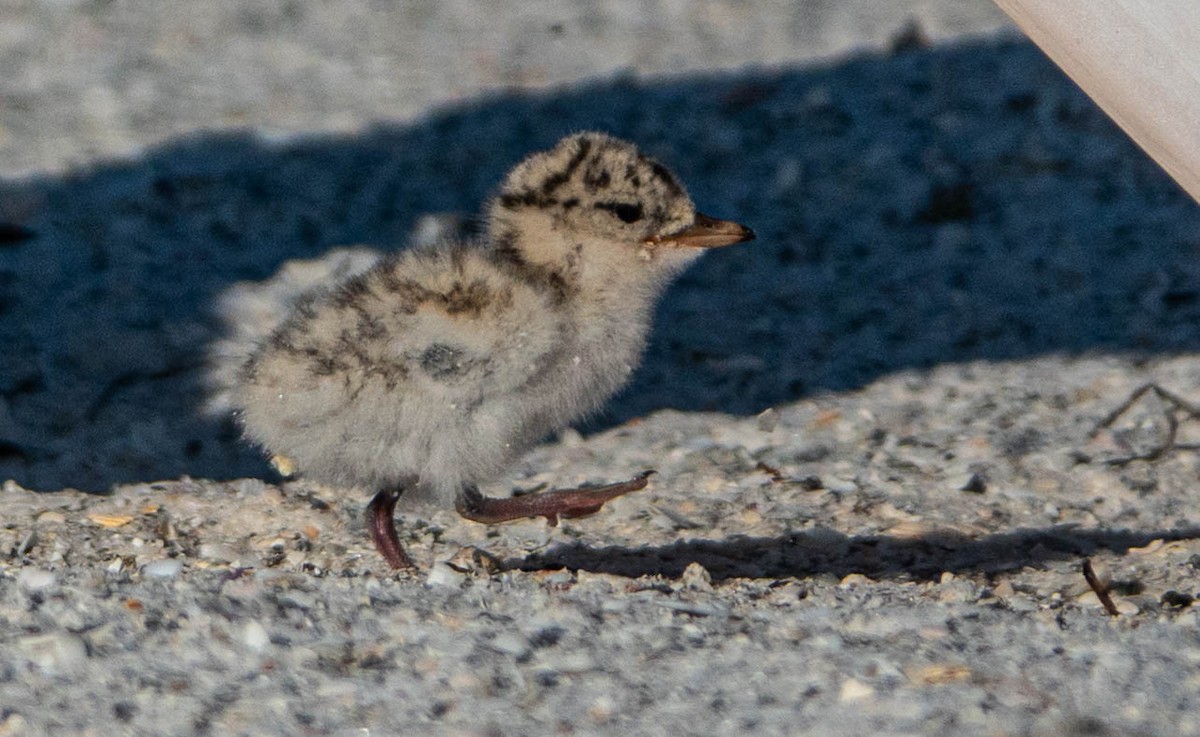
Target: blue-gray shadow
{"points": [[805, 553], [934, 206]]}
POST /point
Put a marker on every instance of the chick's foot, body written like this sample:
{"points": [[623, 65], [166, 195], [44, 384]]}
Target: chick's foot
{"points": [[566, 503]]}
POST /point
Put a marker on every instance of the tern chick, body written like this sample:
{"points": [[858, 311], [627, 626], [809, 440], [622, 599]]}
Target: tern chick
{"points": [[431, 372]]}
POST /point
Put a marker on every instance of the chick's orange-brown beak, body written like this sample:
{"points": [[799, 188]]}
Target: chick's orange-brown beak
{"points": [[706, 232]]}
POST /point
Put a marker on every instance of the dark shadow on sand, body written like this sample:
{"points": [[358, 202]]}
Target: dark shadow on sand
{"points": [[936, 206], [823, 551]]}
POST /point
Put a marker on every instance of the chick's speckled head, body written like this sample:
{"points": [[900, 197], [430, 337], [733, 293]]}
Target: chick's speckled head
{"points": [[594, 184]]}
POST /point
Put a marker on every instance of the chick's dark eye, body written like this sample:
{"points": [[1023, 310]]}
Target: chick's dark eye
{"points": [[627, 212]]}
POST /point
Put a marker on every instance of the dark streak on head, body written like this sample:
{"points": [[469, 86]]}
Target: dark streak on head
{"points": [[506, 243], [665, 176], [556, 180], [517, 200], [595, 180], [512, 201]]}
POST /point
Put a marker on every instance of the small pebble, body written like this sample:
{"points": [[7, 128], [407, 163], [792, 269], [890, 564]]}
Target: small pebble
{"points": [[510, 644], [1022, 604], [255, 636], [613, 606], [165, 568], [297, 600], [854, 579], [693, 608], [840, 486], [751, 517], [217, 553], [441, 574], [854, 690], [602, 709], [35, 579], [768, 419], [53, 654], [974, 484], [1127, 607], [559, 578], [27, 542], [696, 578], [957, 591]]}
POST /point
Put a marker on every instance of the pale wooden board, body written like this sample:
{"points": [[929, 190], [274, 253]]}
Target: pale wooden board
{"points": [[1140, 61]]}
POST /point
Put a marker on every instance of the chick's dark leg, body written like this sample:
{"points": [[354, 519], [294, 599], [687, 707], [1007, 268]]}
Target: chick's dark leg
{"points": [[382, 526], [566, 503]]}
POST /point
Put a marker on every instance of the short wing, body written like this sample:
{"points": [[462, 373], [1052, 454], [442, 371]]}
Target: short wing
{"points": [[427, 359]]}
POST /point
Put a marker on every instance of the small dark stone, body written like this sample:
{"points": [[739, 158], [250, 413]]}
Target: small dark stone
{"points": [[949, 203], [811, 454], [1127, 587], [11, 451], [1177, 598], [547, 636], [1021, 102], [977, 484], [811, 483], [910, 37], [124, 710], [12, 234]]}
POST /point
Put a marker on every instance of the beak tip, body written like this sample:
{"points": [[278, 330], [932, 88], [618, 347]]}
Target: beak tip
{"points": [[707, 232]]}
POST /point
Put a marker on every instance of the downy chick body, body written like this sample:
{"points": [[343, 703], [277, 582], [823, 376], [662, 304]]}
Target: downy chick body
{"points": [[436, 368]]}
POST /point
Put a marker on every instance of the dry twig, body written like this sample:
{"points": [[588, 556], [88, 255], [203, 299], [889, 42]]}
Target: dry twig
{"points": [[1099, 587], [1177, 404]]}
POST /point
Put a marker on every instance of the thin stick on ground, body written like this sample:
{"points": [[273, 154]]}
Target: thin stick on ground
{"points": [[1100, 588], [1176, 404]]}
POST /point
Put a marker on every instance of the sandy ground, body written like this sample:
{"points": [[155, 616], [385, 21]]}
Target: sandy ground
{"points": [[881, 431]]}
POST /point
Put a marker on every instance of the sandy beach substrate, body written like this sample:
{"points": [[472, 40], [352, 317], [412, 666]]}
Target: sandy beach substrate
{"points": [[880, 430]]}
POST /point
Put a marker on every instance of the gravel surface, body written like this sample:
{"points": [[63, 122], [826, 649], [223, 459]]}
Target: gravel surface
{"points": [[882, 431]]}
